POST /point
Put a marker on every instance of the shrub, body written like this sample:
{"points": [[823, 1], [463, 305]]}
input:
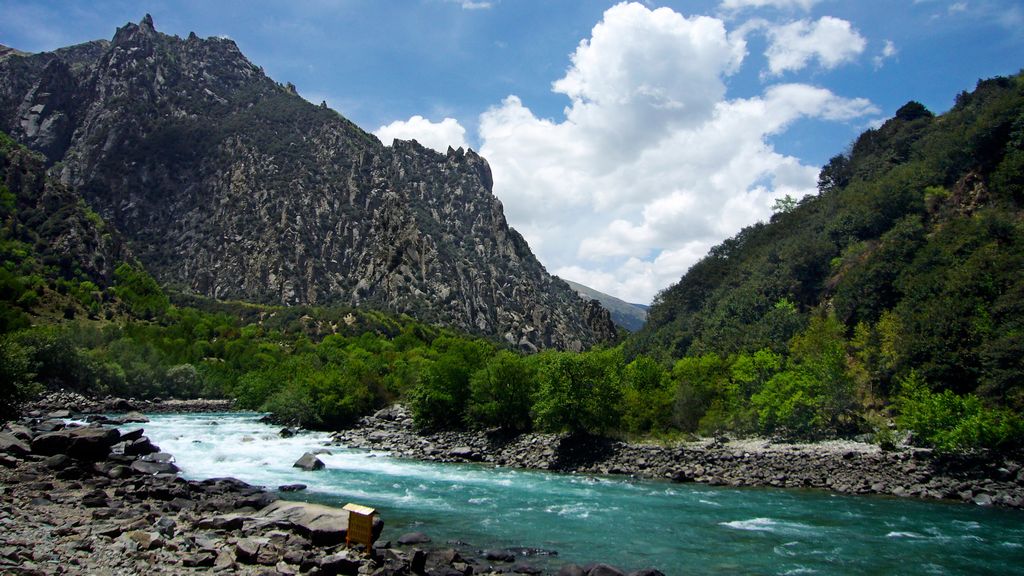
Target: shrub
{"points": [[954, 423]]}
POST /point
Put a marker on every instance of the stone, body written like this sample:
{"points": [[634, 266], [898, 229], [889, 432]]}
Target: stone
{"points": [[11, 444], [413, 538], [323, 525], [571, 570], [145, 540], [499, 555], [308, 462], [647, 572], [291, 487], [286, 433], [134, 418], [524, 568], [464, 452], [202, 559], [340, 563], [58, 462], [247, 550], [604, 570], [151, 468]]}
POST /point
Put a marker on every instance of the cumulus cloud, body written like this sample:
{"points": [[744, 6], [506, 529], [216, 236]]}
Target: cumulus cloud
{"points": [[831, 41], [651, 164], [436, 135]]}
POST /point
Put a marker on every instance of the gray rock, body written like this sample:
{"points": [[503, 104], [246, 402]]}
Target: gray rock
{"points": [[309, 462], [413, 538], [11, 444], [571, 570], [150, 468], [340, 563], [604, 570], [499, 555]]}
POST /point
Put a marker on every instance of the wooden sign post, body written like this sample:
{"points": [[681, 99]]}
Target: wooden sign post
{"points": [[360, 525]]}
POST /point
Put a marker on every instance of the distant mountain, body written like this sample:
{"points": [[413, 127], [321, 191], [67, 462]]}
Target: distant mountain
{"points": [[629, 316], [915, 243], [229, 185]]}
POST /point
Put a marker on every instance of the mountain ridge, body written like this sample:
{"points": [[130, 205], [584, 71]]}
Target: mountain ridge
{"points": [[229, 185]]}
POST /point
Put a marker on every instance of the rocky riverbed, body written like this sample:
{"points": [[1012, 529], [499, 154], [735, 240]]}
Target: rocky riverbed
{"points": [[93, 499], [840, 466]]}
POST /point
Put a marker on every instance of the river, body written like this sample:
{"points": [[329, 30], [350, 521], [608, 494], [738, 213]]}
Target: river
{"points": [[678, 528]]}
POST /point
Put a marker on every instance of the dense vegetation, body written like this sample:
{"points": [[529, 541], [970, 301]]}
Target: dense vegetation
{"points": [[895, 293]]}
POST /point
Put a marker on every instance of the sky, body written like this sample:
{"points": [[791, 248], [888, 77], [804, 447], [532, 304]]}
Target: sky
{"points": [[626, 139]]}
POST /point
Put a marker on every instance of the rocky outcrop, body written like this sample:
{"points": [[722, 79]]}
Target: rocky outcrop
{"points": [[232, 186], [840, 466]]}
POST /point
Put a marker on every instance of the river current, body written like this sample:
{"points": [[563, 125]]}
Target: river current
{"points": [[678, 528]]}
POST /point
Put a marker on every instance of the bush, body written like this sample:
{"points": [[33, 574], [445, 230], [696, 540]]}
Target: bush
{"points": [[953, 423]]}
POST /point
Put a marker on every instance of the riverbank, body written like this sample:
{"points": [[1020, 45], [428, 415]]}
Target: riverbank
{"points": [[99, 500], [845, 467]]}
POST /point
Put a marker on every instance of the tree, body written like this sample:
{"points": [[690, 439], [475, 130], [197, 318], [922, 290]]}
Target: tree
{"points": [[501, 394], [17, 384], [579, 393]]}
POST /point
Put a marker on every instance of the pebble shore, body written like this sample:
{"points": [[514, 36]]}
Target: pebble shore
{"points": [[845, 467]]}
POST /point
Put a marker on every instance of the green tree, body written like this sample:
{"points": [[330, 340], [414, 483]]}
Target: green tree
{"points": [[17, 383], [579, 393], [501, 394]]}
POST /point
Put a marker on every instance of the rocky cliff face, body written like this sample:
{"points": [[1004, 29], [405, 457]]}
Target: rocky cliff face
{"points": [[230, 185]]}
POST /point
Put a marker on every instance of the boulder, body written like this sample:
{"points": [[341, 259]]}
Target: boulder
{"points": [[571, 570], [647, 572], [464, 452], [150, 468], [11, 444], [291, 487], [308, 462], [323, 525], [499, 556], [134, 418], [51, 443], [340, 563], [91, 442], [413, 538], [604, 570]]}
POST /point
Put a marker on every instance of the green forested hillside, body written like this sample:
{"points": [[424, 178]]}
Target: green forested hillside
{"points": [[913, 249], [915, 240]]}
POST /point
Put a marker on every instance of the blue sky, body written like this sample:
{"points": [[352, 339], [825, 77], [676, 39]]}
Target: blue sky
{"points": [[626, 139]]}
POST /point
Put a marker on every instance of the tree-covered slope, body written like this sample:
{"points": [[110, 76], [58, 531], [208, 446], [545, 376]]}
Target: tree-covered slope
{"points": [[915, 243]]}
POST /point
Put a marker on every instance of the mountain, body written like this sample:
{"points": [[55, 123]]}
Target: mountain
{"points": [[57, 254], [629, 316], [915, 244], [229, 185]]}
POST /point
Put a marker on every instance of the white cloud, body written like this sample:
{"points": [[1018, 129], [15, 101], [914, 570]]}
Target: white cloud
{"points": [[888, 51], [957, 7], [473, 4], [652, 164], [436, 135], [831, 41], [805, 5]]}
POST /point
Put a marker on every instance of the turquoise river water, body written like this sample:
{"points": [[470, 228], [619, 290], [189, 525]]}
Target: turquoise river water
{"points": [[678, 528]]}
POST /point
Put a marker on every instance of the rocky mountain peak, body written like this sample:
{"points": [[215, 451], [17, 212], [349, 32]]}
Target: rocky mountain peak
{"points": [[230, 185]]}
